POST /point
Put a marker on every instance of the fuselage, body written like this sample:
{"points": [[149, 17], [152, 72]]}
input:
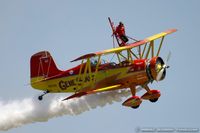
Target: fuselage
{"points": [[108, 74]]}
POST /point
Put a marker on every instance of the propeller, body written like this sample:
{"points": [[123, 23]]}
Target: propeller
{"points": [[168, 56], [163, 68]]}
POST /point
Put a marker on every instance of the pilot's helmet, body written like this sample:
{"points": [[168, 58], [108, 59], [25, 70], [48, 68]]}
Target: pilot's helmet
{"points": [[95, 62]]}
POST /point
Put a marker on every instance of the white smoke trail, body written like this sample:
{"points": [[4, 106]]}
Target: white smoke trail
{"points": [[20, 112]]}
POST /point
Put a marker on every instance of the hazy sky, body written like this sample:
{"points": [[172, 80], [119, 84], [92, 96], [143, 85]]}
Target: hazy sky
{"points": [[70, 28]]}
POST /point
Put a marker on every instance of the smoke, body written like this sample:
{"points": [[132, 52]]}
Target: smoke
{"points": [[20, 112]]}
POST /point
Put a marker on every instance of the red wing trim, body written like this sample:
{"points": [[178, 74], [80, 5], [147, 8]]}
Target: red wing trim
{"points": [[76, 95], [85, 57], [170, 31]]}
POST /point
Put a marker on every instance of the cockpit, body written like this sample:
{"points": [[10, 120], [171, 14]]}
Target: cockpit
{"points": [[103, 64]]}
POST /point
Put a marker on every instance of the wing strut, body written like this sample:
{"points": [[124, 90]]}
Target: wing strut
{"points": [[161, 42]]}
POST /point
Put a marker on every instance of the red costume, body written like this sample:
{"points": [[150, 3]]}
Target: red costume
{"points": [[120, 32]]}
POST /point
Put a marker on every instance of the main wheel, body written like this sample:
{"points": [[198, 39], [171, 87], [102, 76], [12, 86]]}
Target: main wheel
{"points": [[135, 107], [153, 100], [40, 98]]}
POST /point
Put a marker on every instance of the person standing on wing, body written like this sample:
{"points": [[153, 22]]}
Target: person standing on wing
{"points": [[120, 32]]}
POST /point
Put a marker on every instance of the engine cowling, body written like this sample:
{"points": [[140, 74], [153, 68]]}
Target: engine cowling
{"points": [[154, 66]]}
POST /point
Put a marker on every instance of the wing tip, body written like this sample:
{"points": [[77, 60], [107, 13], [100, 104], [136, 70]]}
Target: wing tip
{"points": [[171, 31], [84, 57]]}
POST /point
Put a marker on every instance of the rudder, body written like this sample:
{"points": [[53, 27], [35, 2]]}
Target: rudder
{"points": [[43, 65]]}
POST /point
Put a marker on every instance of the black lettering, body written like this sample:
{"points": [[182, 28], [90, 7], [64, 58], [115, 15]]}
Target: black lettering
{"points": [[65, 84], [72, 83], [62, 85]]}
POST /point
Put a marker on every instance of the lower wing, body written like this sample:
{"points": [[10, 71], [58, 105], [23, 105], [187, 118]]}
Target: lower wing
{"points": [[79, 94]]}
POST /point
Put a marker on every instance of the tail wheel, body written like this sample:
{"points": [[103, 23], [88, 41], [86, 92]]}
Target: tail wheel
{"points": [[40, 98]]}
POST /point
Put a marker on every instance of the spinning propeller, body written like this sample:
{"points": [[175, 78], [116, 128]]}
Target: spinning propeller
{"points": [[162, 68]]}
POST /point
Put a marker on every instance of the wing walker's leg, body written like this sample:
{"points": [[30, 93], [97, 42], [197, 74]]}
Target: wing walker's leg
{"points": [[41, 96]]}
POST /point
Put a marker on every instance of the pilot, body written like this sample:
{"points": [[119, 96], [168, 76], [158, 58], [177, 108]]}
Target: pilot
{"points": [[94, 62], [120, 32]]}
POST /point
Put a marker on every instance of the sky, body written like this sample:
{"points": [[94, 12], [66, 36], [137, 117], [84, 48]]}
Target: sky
{"points": [[70, 28]]}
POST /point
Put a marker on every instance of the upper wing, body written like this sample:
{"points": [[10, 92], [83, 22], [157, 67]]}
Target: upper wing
{"points": [[129, 46], [79, 94]]}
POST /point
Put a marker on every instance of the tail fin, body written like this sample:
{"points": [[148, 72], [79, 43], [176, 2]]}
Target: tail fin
{"points": [[43, 65]]}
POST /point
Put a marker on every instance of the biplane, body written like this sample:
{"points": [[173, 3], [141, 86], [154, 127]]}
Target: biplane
{"points": [[135, 64]]}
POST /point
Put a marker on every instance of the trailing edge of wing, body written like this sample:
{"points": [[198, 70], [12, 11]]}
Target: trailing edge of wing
{"points": [[79, 94], [129, 46]]}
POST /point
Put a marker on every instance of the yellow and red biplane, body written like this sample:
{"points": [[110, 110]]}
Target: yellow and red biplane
{"points": [[136, 64]]}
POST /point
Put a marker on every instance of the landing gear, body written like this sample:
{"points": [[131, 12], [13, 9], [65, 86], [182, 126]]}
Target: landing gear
{"points": [[41, 96], [134, 101], [152, 96], [135, 107], [153, 100]]}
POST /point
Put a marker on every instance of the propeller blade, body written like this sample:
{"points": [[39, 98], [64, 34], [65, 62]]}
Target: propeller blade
{"points": [[168, 57], [160, 73], [159, 76]]}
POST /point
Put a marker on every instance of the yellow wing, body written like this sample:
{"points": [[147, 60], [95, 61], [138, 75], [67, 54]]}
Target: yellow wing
{"points": [[129, 46]]}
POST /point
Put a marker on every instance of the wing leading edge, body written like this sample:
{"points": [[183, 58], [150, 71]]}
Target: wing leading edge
{"points": [[129, 46]]}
